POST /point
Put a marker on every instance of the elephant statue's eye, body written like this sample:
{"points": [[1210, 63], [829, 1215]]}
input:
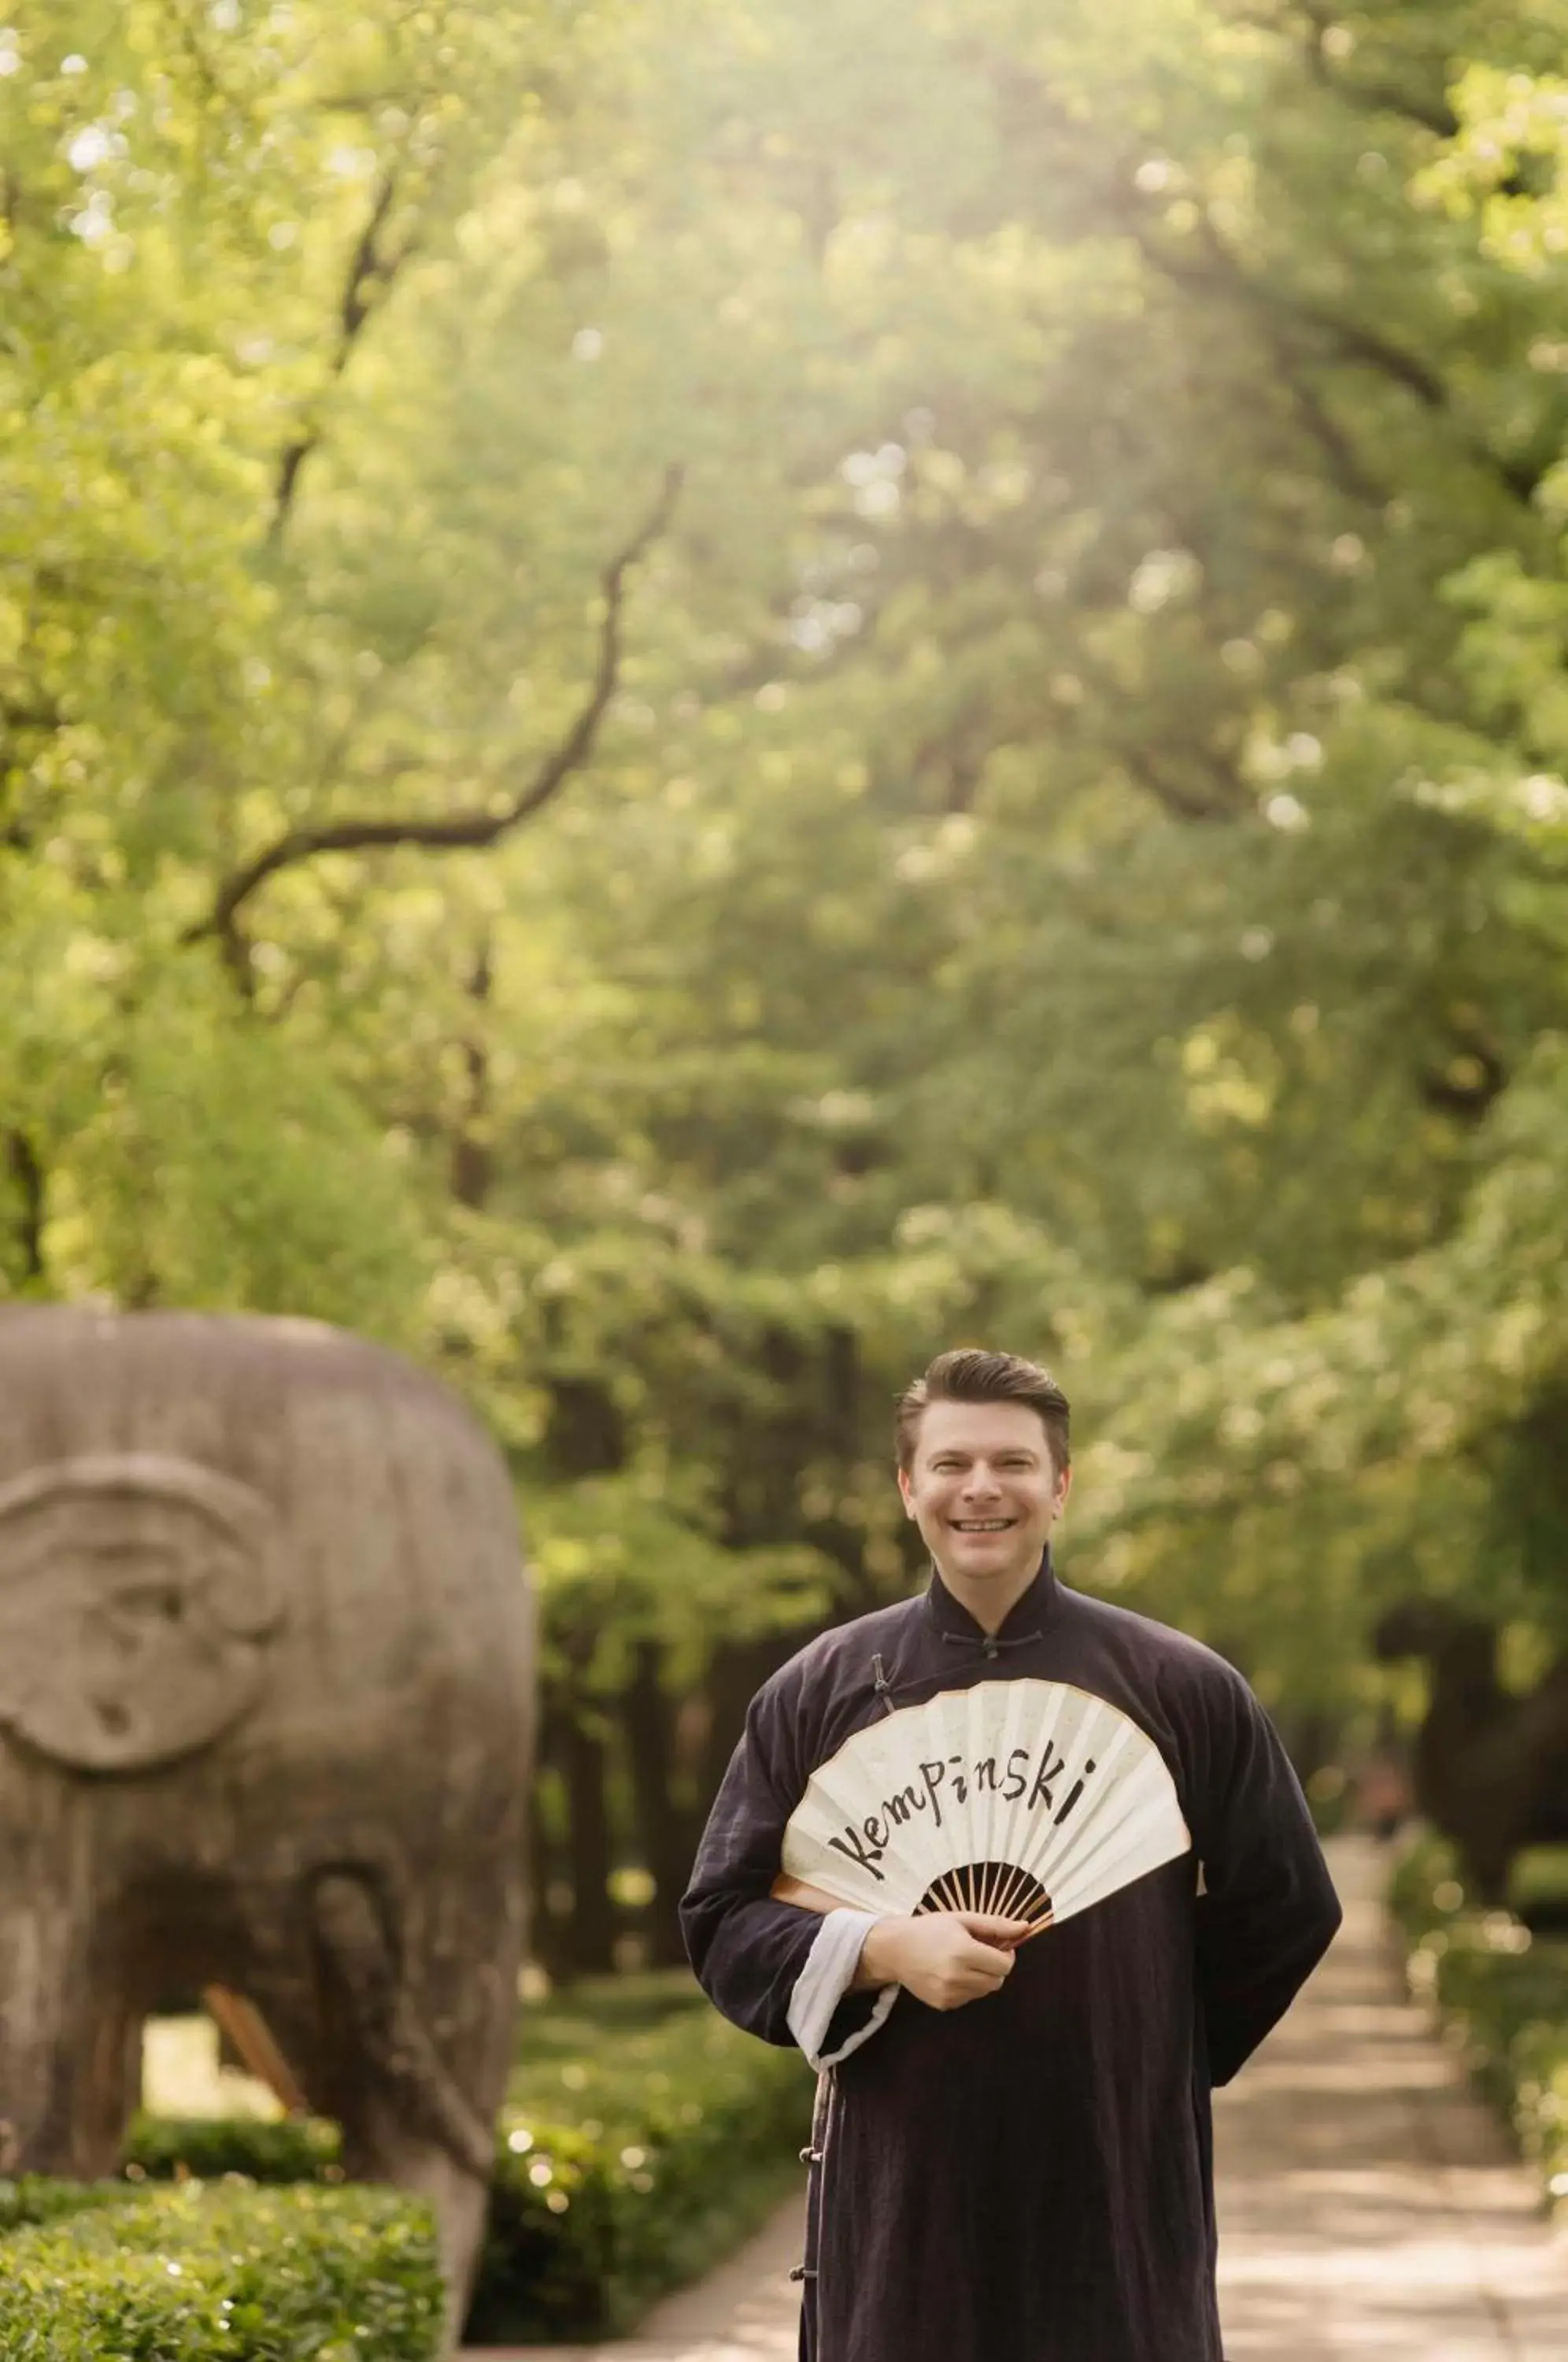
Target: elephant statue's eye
{"points": [[144, 1589]]}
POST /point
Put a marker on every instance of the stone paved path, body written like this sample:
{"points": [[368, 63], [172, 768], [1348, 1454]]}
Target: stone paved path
{"points": [[1368, 2206], [1369, 2210]]}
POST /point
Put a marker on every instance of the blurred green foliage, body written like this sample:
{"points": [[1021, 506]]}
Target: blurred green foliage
{"points": [[1501, 1990], [606, 2050], [1076, 852], [633, 2168]]}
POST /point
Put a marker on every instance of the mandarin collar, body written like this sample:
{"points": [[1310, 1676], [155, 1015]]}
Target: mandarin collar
{"points": [[1024, 1619]]}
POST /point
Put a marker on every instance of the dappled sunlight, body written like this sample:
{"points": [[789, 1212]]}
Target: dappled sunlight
{"points": [[182, 2075]]}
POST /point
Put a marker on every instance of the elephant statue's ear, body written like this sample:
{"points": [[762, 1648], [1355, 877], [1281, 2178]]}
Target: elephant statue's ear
{"points": [[138, 1595]]}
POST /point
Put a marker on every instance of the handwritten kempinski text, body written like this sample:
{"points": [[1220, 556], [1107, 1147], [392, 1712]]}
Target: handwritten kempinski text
{"points": [[957, 1778]]}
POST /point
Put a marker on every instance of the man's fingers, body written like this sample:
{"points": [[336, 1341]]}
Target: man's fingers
{"points": [[993, 1962], [947, 1958], [988, 1930], [979, 1982]]}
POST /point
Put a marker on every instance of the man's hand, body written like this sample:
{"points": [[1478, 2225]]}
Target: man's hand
{"points": [[945, 1957]]}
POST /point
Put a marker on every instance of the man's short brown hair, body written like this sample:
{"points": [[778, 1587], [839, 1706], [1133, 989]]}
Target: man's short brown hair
{"points": [[972, 1375]]}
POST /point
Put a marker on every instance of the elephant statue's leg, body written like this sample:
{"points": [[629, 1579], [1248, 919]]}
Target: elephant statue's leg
{"points": [[378, 2146], [69, 2037], [39, 1982], [106, 2087], [405, 2120], [66, 2106]]}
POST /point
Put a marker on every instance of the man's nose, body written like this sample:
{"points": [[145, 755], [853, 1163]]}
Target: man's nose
{"points": [[981, 1485]]}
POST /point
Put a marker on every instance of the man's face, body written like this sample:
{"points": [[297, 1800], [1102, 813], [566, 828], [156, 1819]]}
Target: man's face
{"points": [[982, 1489]]}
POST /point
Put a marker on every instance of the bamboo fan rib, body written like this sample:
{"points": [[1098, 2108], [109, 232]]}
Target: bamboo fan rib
{"points": [[1029, 1799]]}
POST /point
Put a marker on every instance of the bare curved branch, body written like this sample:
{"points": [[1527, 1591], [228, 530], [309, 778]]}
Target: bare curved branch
{"points": [[458, 831], [372, 270]]}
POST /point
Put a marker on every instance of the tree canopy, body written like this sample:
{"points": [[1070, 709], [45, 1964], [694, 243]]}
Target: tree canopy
{"points": [[697, 698]]}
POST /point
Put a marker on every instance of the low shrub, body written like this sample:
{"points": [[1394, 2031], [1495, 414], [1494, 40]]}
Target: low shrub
{"points": [[34, 2197], [202, 2275], [1503, 1994], [294, 2148], [589, 2222], [1425, 1889], [1538, 1888]]}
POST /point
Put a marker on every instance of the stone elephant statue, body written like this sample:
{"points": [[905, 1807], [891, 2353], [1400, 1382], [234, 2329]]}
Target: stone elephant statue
{"points": [[266, 1664]]}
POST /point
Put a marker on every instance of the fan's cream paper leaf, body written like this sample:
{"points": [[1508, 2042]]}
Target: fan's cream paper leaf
{"points": [[1033, 1798]]}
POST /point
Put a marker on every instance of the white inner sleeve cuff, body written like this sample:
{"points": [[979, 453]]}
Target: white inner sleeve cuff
{"points": [[829, 1973]]}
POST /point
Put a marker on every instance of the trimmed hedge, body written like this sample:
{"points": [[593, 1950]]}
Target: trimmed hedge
{"points": [[227, 2274], [34, 2197], [296, 2148], [644, 2139], [1501, 1992]]}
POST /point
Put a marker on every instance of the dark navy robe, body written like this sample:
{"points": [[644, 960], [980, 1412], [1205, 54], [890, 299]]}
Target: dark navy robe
{"points": [[1029, 2178]]}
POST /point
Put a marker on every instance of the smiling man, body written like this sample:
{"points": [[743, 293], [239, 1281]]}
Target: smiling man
{"points": [[1012, 2159]]}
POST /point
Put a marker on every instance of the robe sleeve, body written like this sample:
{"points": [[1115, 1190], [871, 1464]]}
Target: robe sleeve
{"points": [[1268, 1911], [771, 1968]]}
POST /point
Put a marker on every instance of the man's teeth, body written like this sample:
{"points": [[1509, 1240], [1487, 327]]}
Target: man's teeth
{"points": [[981, 1525]]}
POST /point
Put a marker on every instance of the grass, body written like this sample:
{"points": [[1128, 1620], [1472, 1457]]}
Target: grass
{"points": [[606, 2055]]}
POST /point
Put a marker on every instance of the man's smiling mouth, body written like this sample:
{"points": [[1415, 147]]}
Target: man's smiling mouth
{"points": [[982, 1525]]}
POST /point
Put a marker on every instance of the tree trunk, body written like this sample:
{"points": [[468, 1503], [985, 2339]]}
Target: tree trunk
{"points": [[667, 1832], [735, 1673], [549, 1933], [1484, 1762], [472, 1155], [590, 1948], [28, 1176]]}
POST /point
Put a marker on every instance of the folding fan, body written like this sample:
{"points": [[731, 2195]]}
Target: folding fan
{"points": [[1028, 1799]]}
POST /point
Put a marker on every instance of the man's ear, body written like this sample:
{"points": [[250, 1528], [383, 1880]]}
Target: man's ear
{"points": [[1063, 1486], [904, 1492]]}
